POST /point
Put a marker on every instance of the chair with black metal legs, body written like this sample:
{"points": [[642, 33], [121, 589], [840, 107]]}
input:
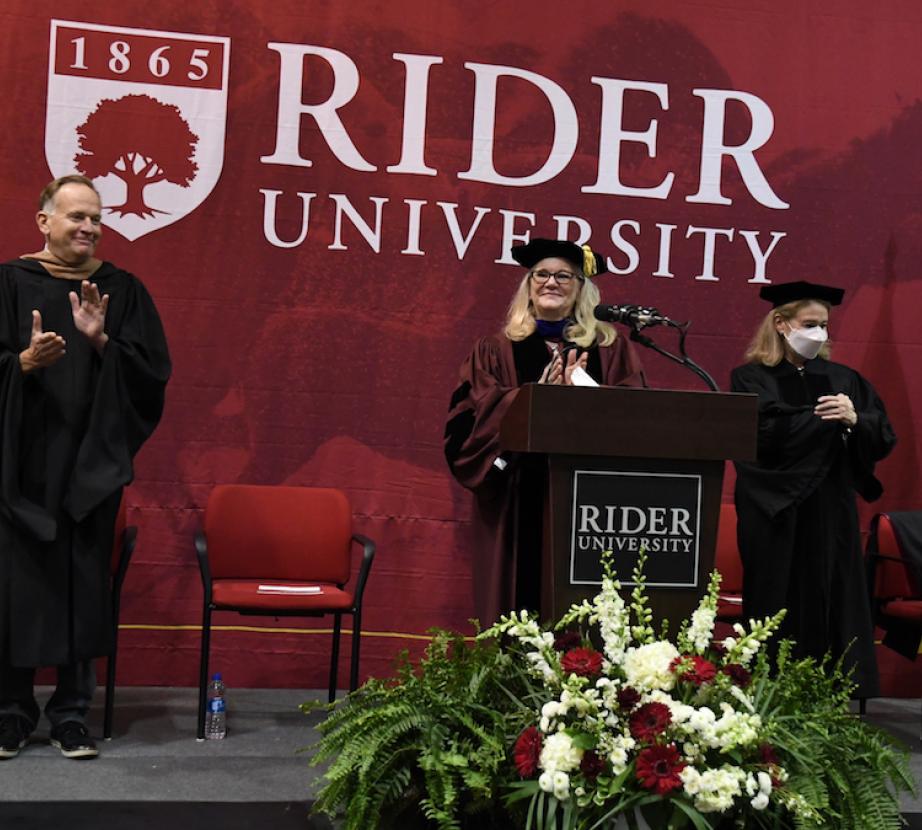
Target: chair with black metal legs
{"points": [[280, 551]]}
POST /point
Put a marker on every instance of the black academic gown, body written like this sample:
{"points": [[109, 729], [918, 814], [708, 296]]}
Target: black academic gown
{"points": [[798, 527], [508, 504], [68, 434]]}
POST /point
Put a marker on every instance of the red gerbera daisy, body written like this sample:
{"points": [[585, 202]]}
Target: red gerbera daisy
{"points": [[650, 720], [585, 662], [658, 768], [694, 669], [527, 751]]}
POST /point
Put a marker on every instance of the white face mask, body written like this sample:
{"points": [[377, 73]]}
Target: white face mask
{"points": [[806, 342]]}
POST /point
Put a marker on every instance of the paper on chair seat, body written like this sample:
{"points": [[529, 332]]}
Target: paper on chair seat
{"points": [[288, 589]]}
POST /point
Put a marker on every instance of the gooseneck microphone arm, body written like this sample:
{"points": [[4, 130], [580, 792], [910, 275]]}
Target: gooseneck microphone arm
{"points": [[637, 318]]}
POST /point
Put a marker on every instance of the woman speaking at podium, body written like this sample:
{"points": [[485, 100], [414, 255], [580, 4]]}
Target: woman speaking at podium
{"points": [[821, 430], [550, 336]]}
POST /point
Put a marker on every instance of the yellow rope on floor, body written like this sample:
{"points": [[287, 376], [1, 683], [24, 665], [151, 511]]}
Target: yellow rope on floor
{"points": [[397, 635]]}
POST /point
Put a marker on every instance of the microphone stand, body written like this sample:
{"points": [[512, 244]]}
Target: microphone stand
{"points": [[684, 360]]}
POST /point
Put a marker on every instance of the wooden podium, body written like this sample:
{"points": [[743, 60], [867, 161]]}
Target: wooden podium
{"points": [[627, 467]]}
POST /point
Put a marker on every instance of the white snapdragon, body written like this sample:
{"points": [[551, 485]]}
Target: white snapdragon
{"points": [[742, 697], [612, 616], [702, 628], [647, 667]]}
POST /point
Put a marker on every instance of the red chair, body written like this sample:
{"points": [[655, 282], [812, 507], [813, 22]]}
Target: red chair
{"points": [[280, 551], [896, 598], [123, 546], [727, 561]]}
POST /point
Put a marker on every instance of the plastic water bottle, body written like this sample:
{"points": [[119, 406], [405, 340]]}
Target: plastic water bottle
{"points": [[216, 714]]}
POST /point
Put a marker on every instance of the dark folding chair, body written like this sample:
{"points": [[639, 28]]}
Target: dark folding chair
{"points": [[896, 599], [280, 551], [896, 593], [123, 546]]}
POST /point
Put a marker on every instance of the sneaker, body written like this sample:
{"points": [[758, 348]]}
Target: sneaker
{"points": [[72, 738], [14, 732]]}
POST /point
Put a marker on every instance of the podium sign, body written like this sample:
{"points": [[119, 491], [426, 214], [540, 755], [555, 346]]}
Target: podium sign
{"points": [[623, 512]]}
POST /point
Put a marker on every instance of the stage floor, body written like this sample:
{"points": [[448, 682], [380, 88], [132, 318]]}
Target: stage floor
{"points": [[256, 777]]}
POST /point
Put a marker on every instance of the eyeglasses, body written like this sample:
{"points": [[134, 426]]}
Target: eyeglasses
{"points": [[562, 277]]}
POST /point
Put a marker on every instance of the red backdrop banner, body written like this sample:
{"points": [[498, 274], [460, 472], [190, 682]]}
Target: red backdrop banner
{"points": [[321, 198]]}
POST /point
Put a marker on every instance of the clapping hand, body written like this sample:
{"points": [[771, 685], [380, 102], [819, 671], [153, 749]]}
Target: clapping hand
{"points": [[90, 313], [45, 347], [557, 373]]}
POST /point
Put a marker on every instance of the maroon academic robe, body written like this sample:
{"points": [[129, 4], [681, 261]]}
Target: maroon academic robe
{"points": [[507, 518]]}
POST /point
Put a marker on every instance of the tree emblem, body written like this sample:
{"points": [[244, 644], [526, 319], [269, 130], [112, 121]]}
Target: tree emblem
{"points": [[142, 141]]}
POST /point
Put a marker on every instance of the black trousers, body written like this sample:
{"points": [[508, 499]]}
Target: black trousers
{"points": [[70, 701]]}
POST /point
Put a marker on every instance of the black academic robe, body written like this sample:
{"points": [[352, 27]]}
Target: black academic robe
{"points": [[68, 433], [798, 527], [508, 504]]}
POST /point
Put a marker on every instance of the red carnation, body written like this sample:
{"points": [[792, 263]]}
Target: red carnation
{"points": [[527, 751], [699, 671], [767, 754], [628, 698], [738, 674], [565, 640], [650, 720], [585, 662], [658, 768], [591, 765], [718, 648]]}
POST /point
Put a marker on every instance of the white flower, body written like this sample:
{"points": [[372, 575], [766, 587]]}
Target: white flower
{"points": [[702, 628], [647, 667], [760, 802], [556, 782], [559, 755], [713, 790], [611, 614], [561, 786], [616, 749]]}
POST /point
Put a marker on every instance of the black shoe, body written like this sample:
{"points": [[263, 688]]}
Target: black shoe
{"points": [[14, 732], [72, 738]]}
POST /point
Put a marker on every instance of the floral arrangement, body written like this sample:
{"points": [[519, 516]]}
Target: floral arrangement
{"points": [[603, 723], [643, 722]]}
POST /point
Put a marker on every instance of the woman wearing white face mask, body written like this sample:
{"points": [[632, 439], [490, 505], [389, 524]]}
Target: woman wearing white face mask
{"points": [[821, 430]]}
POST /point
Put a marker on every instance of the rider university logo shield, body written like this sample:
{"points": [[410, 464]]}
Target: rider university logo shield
{"points": [[140, 112]]}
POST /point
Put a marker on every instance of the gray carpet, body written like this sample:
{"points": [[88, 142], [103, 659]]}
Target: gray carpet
{"points": [[154, 757]]}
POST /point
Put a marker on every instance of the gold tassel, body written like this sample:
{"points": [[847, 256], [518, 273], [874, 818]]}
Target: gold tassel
{"points": [[589, 264]]}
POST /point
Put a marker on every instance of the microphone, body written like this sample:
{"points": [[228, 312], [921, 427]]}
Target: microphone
{"points": [[633, 315]]}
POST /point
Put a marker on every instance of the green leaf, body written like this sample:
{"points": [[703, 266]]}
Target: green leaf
{"points": [[696, 818]]}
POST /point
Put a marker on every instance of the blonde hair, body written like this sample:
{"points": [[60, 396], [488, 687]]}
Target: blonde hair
{"points": [[767, 345], [585, 329]]}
